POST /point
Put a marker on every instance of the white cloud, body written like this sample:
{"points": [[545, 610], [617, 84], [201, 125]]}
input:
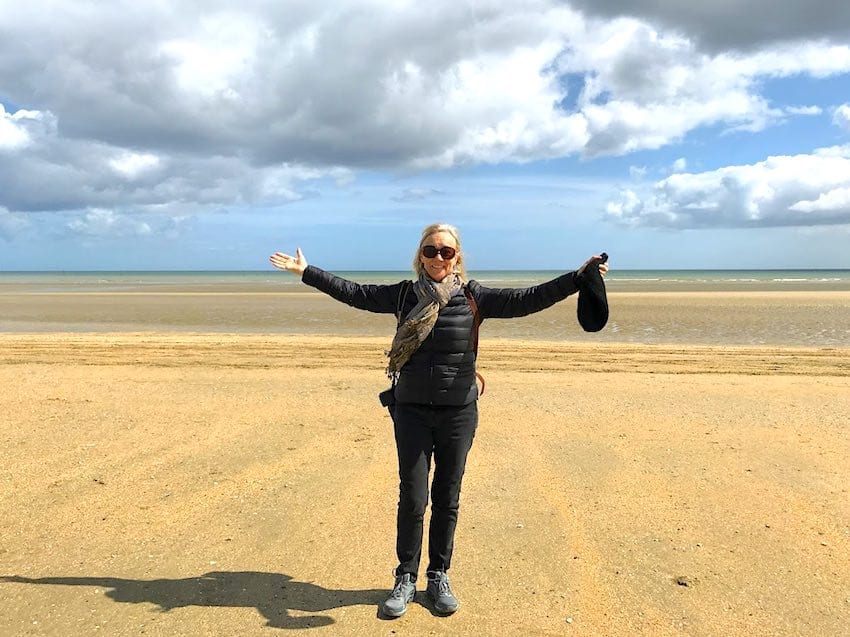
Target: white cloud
{"points": [[804, 110], [208, 62], [188, 106], [794, 190], [627, 209], [438, 86], [832, 200], [56, 173], [416, 194], [817, 58], [841, 117], [278, 185], [13, 128], [644, 89], [11, 136], [680, 165], [132, 165], [100, 222]]}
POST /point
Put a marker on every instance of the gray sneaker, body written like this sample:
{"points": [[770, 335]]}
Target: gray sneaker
{"points": [[441, 593], [402, 594]]}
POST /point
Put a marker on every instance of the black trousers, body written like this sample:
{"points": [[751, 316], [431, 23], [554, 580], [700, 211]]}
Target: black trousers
{"points": [[423, 432]]}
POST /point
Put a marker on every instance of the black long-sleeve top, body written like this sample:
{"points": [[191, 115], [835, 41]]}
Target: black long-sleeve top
{"points": [[442, 371]]}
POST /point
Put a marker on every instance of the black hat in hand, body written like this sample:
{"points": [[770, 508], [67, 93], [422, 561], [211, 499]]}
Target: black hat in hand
{"points": [[592, 308]]}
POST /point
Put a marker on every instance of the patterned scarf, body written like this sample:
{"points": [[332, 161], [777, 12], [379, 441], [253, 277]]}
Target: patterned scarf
{"points": [[432, 297]]}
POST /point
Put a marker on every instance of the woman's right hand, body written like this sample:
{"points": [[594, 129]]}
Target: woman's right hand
{"points": [[296, 264]]}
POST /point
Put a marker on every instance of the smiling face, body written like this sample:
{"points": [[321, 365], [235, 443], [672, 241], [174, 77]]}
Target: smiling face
{"points": [[437, 267]]}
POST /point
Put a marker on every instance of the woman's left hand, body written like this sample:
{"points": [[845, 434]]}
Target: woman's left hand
{"points": [[603, 267]]}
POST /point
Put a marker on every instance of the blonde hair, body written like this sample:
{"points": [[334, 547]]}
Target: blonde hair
{"points": [[460, 267]]}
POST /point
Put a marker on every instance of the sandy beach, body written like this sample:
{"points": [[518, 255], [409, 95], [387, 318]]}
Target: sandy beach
{"points": [[244, 484], [814, 318]]}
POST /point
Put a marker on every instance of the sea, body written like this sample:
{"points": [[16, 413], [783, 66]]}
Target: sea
{"points": [[271, 280], [788, 308]]}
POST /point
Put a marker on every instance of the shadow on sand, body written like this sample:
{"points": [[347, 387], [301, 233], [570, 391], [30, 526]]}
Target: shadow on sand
{"points": [[272, 594]]}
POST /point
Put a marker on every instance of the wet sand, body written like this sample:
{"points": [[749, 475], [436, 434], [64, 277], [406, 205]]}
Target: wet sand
{"points": [[245, 484], [794, 318]]}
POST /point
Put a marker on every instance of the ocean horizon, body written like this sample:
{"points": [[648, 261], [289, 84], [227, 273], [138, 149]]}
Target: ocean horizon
{"points": [[792, 307], [618, 280]]}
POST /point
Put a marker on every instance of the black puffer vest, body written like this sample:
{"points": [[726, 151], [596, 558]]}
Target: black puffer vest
{"points": [[442, 371]]}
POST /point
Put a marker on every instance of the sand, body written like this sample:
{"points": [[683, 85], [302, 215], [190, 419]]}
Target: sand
{"points": [[245, 484], [800, 318]]}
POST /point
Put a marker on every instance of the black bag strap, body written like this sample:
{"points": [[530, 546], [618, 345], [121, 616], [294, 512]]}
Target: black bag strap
{"points": [[399, 308], [402, 295], [476, 316], [476, 323]]}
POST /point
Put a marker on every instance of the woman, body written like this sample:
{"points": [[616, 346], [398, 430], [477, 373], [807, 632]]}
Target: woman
{"points": [[432, 364]]}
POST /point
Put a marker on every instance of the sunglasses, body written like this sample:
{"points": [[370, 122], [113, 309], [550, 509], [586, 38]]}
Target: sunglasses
{"points": [[429, 252]]}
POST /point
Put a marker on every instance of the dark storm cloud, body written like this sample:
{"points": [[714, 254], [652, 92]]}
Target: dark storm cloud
{"points": [[732, 24]]}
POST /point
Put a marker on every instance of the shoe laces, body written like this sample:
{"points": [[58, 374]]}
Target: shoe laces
{"points": [[398, 589], [442, 582]]}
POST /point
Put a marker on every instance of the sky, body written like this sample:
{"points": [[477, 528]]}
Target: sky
{"points": [[165, 135]]}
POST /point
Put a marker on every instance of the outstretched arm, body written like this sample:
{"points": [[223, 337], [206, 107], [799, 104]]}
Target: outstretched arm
{"points": [[515, 302], [383, 299]]}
